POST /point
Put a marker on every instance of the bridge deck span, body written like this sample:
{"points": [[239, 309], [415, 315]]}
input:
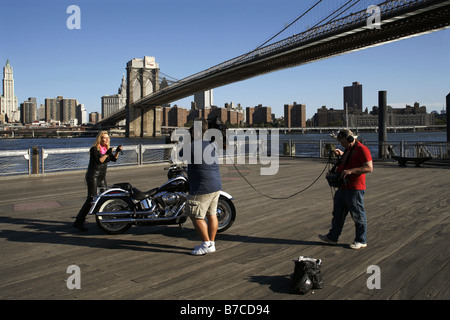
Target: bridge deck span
{"points": [[408, 239]]}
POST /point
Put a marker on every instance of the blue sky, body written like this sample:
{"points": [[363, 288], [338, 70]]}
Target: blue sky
{"points": [[188, 36]]}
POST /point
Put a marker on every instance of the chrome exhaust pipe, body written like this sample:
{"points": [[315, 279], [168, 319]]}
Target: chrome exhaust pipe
{"points": [[133, 220], [151, 217], [121, 213]]}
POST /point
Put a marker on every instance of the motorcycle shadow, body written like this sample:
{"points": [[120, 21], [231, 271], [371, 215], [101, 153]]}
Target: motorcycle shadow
{"points": [[46, 231], [128, 240]]}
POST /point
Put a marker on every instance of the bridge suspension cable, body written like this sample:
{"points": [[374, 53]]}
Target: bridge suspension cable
{"points": [[168, 78], [337, 12], [333, 15], [286, 27]]}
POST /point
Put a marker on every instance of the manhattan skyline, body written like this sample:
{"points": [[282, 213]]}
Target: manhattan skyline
{"points": [[187, 37]]}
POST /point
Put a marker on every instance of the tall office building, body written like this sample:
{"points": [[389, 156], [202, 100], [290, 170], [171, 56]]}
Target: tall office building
{"points": [[8, 103], [113, 103], [203, 99], [353, 98]]}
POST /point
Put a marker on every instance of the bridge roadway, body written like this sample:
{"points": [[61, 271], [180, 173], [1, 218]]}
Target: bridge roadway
{"points": [[408, 239]]}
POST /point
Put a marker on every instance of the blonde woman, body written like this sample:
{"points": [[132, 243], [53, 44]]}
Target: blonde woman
{"points": [[100, 154]]}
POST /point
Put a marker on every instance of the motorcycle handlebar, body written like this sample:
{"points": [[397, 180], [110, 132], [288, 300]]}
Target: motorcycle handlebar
{"points": [[175, 166]]}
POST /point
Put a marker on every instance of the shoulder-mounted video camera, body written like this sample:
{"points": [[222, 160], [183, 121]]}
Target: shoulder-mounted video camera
{"points": [[335, 180], [333, 176]]}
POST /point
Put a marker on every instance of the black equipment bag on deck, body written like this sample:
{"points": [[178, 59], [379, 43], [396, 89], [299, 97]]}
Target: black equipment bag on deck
{"points": [[307, 275]]}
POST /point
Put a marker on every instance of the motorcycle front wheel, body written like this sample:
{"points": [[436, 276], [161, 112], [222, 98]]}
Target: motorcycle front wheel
{"points": [[226, 214], [112, 205]]}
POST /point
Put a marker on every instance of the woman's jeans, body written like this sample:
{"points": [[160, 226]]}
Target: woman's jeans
{"points": [[346, 201]]}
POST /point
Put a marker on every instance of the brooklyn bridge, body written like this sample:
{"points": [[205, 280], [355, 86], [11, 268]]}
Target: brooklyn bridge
{"points": [[353, 25]]}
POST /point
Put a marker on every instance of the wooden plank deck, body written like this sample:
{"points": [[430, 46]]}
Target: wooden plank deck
{"points": [[408, 237]]}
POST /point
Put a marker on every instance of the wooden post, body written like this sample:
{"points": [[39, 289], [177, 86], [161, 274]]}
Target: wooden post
{"points": [[448, 117], [35, 160]]}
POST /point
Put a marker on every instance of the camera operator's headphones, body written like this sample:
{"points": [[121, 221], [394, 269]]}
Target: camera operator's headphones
{"points": [[346, 134]]}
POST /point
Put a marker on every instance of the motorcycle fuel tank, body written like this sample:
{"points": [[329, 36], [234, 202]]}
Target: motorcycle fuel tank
{"points": [[175, 184]]}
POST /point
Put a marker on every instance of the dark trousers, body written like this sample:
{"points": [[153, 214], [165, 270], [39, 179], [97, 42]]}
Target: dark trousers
{"points": [[93, 180]]}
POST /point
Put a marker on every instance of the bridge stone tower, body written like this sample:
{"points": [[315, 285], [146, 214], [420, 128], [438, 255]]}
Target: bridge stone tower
{"points": [[142, 80]]}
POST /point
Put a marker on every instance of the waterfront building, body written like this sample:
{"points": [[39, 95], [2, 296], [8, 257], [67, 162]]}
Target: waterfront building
{"points": [[68, 110], [236, 114], [174, 116], [52, 110], [258, 115], [295, 115], [409, 116], [62, 109], [8, 101], [200, 113], [328, 117], [41, 113], [28, 111]]}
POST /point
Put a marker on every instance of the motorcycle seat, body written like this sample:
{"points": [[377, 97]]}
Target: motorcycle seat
{"points": [[140, 195], [123, 185]]}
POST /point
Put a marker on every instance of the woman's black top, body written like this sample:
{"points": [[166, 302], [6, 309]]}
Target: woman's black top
{"points": [[96, 173]]}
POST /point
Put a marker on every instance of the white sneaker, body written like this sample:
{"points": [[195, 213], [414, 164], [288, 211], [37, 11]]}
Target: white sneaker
{"points": [[203, 249], [358, 245]]}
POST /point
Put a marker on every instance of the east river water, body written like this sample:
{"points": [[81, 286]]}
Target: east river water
{"points": [[26, 143]]}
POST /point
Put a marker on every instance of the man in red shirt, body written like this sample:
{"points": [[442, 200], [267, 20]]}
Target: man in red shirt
{"points": [[356, 162]]}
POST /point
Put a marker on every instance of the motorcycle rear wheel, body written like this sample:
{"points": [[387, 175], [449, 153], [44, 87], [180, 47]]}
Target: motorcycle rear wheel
{"points": [[111, 205], [226, 214]]}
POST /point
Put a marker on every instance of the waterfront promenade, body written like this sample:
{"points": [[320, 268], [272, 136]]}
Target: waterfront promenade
{"points": [[408, 237]]}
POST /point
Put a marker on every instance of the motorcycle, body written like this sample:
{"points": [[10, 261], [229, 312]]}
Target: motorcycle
{"points": [[119, 207]]}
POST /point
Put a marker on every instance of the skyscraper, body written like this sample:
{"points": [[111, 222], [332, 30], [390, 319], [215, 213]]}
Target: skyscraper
{"points": [[204, 99], [353, 98], [8, 104]]}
